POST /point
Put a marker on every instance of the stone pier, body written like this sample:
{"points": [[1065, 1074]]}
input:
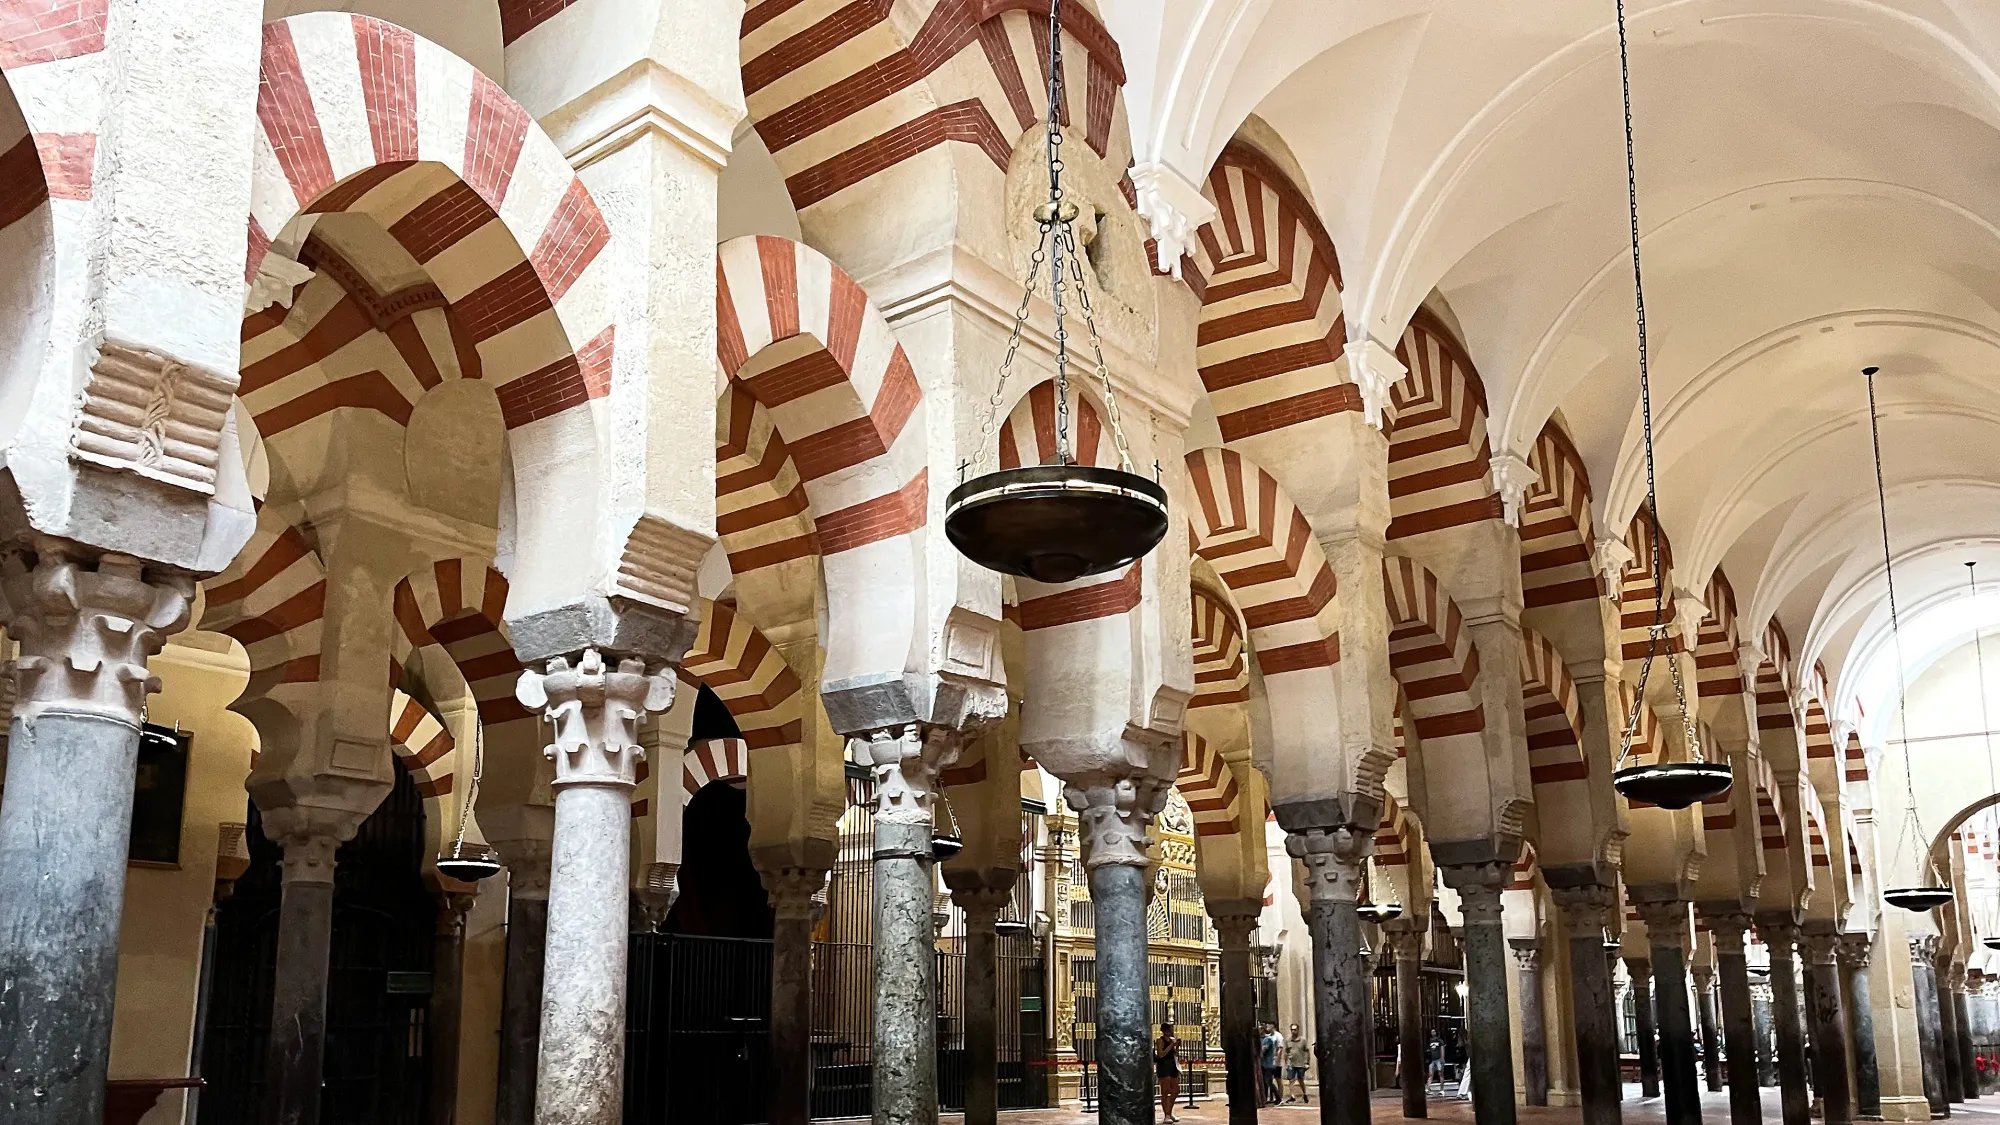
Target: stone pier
{"points": [[1534, 1028], [1112, 817], [791, 879], [1586, 909], [1667, 936], [982, 905], [1487, 1019], [1855, 950]]}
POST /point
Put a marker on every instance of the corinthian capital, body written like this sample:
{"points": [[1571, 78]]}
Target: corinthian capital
{"points": [[1332, 857], [906, 760], [1112, 815], [595, 710], [86, 623]]}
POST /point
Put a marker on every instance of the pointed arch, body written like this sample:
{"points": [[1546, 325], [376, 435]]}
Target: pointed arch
{"points": [[1556, 564], [1438, 449], [1272, 326]]}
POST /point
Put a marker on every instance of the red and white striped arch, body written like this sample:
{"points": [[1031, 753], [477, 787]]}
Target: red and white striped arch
{"points": [[841, 92], [1555, 721], [802, 340], [1854, 760], [425, 747], [1208, 786], [1263, 547], [1556, 564], [1271, 323], [1396, 838], [359, 115], [1438, 448], [1221, 675], [272, 600], [1646, 742], [711, 760], [1431, 654], [1527, 869], [749, 675], [1819, 745], [1770, 821], [1774, 691], [457, 604], [1718, 675], [1639, 594], [1029, 435]]}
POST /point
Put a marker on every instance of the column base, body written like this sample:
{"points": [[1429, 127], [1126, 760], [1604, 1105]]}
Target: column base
{"points": [[1905, 1109]]}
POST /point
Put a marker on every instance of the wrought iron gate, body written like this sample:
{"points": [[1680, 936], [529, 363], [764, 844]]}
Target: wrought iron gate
{"points": [[698, 1022]]}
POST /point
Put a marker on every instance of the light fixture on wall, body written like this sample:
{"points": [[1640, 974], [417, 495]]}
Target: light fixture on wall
{"points": [[1926, 895], [1062, 521], [1670, 785], [478, 862]]}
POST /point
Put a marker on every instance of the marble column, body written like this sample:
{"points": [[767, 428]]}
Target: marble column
{"points": [[1331, 839], [1711, 1038], [1930, 1040], [594, 708], [1739, 1030], [1111, 823], [1408, 946], [1780, 934], [447, 1003], [86, 626], [1640, 970], [1954, 1075], [982, 906], [296, 1059], [1586, 910], [1234, 923], [1767, 1056], [1534, 1027], [1667, 938], [1819, 945], [1968, 1068], [521, 989], [791, 885], [1490, 1033], [1854, 953]]}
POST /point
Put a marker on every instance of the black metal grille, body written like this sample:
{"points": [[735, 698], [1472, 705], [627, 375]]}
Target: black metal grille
{"points": [[697, 1035]]}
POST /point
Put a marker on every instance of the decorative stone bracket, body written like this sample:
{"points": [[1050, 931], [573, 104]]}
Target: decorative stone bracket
{"points": [[1512, 478], [1173, 207], [1373, 369], [595, 711], [150, 414]]}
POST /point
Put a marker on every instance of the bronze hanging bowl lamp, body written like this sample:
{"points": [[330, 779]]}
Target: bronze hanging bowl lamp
{"points": [[945, 838], [1669, 785], [1379, 912], [469, 863], [1061, 521]]}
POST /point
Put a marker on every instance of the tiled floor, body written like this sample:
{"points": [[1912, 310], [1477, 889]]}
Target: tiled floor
{"points": [[1388, 1108]]}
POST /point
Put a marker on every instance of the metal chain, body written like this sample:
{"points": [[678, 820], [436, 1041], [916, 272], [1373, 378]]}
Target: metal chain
{"points": [[1097, 353], [1913, 825], [472, 790], [998, 398], [1657, 631], [1979, 658]]}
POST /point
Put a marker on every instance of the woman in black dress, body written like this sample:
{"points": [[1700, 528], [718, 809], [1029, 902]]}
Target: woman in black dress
{"points": [[1167, 1066]]}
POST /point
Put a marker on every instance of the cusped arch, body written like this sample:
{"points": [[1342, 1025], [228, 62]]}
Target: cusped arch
{"points": [[805, 344], [357, 115]]}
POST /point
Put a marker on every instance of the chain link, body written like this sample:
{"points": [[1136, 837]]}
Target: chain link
{"points": [[1103, 370], [998, 399]]}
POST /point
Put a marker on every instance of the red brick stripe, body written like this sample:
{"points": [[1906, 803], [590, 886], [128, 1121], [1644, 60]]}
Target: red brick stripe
{"points": [[68, 160], [440, 222], [871, 521], [514, 297], [388, 57], [39, 31], [544, 393], [285, 109], [350, 190], [494, 133], [519, 17], [22, 188], [370, 390], [593, 361], [570, 242], [966, 121], [1106, 599]]}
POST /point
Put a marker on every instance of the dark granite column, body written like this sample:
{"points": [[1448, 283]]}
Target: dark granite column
{"points": [[1586, 909], [1962, 1019], [1640, 971], [1726, 926], [1112, 819], [1780, 934], [447, 1002], [1235, 921], [1954, 1075], [1667, 937], [904, 1011], [1408, 946], [1711, 1039], [1331, 838], [298, 991], [1854, 953], [66, 820], [1930, 1039], [982, 906], [1767, 1053], [1534, 1027], [1490, 1034], [1820, 945], [521, 990], [791, 886]]}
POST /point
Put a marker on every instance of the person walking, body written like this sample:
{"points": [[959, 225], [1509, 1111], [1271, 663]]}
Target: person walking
{"points": [[1269, 1050], [1167, 1067], [1296, 1053]]}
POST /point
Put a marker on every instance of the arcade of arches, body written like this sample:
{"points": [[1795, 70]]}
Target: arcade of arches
{"points": [[519, 431]]}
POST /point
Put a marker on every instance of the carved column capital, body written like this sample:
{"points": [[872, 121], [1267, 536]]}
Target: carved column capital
{"points": [[527, 867], [1819, 945], [1408, 945], [656, 893], [1234, 930], [1666, 922], [86, 622], [1332, 857], [1704, 977], [906, 760], [1479, 886], [794, 891], [1527, 952], [1586, 908], [982, 904], [308, 856], [1641, 971], [1112, 816], [1726, 928], [1855, 950], [1780, 933], [595, 710], [453, 906], [1924, 947]]}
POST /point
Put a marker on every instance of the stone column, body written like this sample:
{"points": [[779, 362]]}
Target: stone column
{"points": [[1780, 934], [791, 886], [1954, 1076], [1968, 1068], [1767, 1058], [86, 627], [1819, 945], [1930, 1039], [1534, 1028], [296, 1058], [1111, 823], [1331, 840], [1667, 937], [447, 1001], [521, 992], [1711, 1038], [1490, 1035], [982, 906], [1585, 911], [1408, 945], [1854, 952], [595, 709], [1739, 1029], [1640, 971], [1234, 923]]}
